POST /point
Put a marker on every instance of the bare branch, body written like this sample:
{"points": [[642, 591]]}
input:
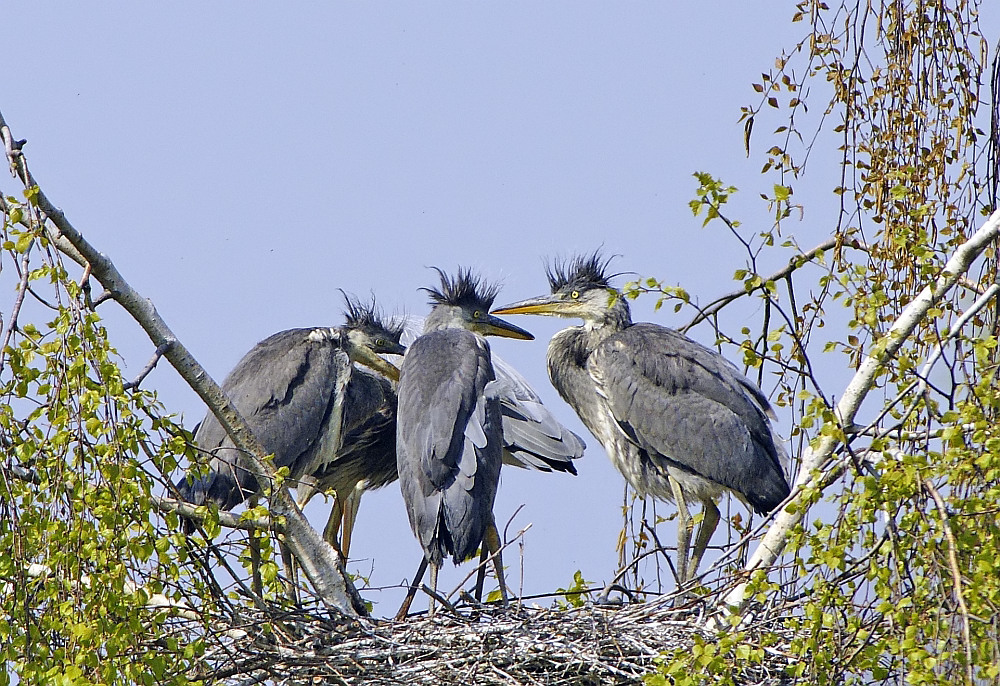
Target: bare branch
{"points": [[716, 305], [812, 473], [226, 519], [157, 354], [956, 578], [319, 561]]}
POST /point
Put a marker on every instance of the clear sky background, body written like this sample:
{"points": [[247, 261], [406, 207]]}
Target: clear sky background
{"points": [[240, 162]]}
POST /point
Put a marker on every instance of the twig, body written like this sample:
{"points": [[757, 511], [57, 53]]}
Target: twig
{"points": [[620, 574], [489, 558], [445, 602], [956, 578], [319, 560], [181, 507], [794, 263], [161, 349], [935, 355], [811, 474], [226, 519], [22, 288]]}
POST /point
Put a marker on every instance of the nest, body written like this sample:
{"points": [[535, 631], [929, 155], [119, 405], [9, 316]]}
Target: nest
{"points": [[518, 645]]}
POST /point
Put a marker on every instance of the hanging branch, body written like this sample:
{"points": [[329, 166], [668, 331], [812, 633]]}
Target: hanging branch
{"points": [[811, 473], [319, 561]]}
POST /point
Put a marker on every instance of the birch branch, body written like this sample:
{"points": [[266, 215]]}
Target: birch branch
{"points": [[794, 263], [319, 561], [810, 474]]}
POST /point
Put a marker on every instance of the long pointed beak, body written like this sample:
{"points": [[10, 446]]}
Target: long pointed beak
{"points": [[544, 304], [494, 326], [393, 349], [368, 358]]}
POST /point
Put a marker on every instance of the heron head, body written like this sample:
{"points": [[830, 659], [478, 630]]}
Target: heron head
{"points": [[370, 334], [464, 302], [580, 288]]}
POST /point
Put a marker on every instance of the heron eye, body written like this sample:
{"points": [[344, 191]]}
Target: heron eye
{"points": [[477, 314], [575, 295], [380, 341]]}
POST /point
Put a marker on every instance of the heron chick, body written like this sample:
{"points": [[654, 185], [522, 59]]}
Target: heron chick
{"points": [[533, 439], [302, 397], [677, 419], [449, 435]]}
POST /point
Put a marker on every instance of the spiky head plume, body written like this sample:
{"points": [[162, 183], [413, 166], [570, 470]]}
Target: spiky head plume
{"points": [[581, 273], [368, 317], [465, 290]]}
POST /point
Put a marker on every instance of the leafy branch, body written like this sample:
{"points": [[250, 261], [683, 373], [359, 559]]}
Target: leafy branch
{"points": [[318, 560]]}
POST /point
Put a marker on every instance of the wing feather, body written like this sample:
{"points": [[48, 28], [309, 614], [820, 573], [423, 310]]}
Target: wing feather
{"points": [[448, 442], [283, 388], [685, 405]]}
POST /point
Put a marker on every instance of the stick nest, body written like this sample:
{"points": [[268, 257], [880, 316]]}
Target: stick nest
{"points": [[517, 645]]}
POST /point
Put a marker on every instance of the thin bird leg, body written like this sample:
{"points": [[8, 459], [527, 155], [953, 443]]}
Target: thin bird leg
{"points": [[481, 574], [332, 528], [491, 542], [404, 609], [431, 607], [709, 521], [256, 583], [685, 527], [291, 572], [305, 491], [351, 505]]}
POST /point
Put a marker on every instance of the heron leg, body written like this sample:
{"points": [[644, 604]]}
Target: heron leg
{"points": [[291, 571], [350, 516], [710, 520], [431, 607], [332, 528], [685, 527], [491, 543], [256, 583], [481, 575], [404, 609]]}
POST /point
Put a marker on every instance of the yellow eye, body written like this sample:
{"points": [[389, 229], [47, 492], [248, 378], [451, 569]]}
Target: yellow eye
{"points": [[575, 295], [477, 315], [380, 342]]}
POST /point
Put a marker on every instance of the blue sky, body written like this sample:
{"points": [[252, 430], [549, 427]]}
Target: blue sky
{"points": [[241, 162]]}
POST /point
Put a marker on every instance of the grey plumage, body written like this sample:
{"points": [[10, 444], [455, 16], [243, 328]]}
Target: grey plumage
{"points": [[532, 437], [301, 396], [449, 442], [676, 418], [368, 453], [449, 438]]}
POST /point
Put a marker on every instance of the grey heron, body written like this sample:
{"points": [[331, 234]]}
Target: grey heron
{"points": [[532, 439], [300, 393], [677, 419], [367, 458], [449, 429]]}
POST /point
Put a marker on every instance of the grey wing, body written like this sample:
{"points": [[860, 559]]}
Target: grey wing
{"points": [[283, 388], [533, 438], [446, 432], [686, 405], [413, 327], [368, 449], [469, 502]]}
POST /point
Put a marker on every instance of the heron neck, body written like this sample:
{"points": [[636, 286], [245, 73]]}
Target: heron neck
{"points": [[445, 317], [617, 317]]}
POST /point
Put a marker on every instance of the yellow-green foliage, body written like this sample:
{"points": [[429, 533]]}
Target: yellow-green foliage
{"points": [[899, 579]]}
